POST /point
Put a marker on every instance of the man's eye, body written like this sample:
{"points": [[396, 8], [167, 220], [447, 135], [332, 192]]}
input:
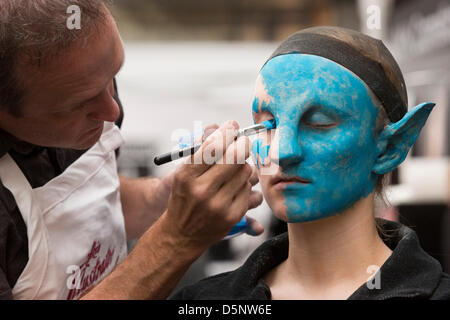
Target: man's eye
{"points": [[76, 107], [66, 111]]}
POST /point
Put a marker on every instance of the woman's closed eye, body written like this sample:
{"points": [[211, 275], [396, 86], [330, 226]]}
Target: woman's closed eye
{"points": [[320, 120]]}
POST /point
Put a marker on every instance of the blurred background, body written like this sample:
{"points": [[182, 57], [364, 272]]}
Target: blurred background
{"points": [[190, 63]]}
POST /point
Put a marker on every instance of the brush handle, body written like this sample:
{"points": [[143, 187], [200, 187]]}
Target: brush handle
{"points": [[170, 156], [174, 155], [238, 228]]}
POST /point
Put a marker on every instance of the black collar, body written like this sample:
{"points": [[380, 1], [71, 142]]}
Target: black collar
{"points": [[408, 273], [9, 142], [5, 143]]}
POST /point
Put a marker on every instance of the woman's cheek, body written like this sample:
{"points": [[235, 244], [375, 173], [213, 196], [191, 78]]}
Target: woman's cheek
{"points": [[274, 198], [279, 208]]}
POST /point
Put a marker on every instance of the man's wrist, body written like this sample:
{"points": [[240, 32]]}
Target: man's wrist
{"points": [[186, 247]]}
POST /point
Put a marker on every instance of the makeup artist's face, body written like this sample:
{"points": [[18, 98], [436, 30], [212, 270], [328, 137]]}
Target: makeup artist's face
{"points": [[68, 99], [324, 142]]}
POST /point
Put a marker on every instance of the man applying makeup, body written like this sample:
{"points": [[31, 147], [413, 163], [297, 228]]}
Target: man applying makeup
{"points": [[65, 213]]}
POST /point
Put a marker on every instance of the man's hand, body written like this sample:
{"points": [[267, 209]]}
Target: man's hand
{"points": [[145, 199], [256, 198], [207, 197], [205, 202]]}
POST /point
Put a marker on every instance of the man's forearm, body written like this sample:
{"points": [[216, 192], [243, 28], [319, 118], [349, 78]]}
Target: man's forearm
{"points": [[143, 202], [152, 269]]}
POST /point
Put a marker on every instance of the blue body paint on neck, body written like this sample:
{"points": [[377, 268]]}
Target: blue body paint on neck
{"points": [[325, 117]]}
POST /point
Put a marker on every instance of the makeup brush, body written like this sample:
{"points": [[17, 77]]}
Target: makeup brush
{"points": [[181, 153]]}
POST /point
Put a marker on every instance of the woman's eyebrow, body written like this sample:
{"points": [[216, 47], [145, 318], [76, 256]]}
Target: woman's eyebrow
{"points": [[261, 105], [327, 107]]}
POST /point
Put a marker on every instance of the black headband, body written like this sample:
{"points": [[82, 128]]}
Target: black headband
{"points": [[369, 70]]}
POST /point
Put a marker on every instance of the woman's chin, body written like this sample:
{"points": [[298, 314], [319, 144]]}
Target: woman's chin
{"points": [[279, 210]]}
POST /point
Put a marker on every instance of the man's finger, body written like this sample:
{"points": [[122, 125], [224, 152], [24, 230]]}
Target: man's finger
{"points": [[239, 206], [254, 179], [222, 173], [237, 180], [209, 130], [238, 152], [255, 200], [212, 148], [254, 228]]}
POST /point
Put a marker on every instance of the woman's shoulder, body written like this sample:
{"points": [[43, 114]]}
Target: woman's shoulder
{"points": [[243, 283], [442, 291], [410, 272], [210, 288]]}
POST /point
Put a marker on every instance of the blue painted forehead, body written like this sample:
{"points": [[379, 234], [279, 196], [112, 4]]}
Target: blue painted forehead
{"points": [[289, 76], [366, 57]]}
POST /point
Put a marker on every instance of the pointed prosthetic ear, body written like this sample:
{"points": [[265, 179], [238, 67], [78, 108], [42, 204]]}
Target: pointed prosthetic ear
{"points": [[395, 141]]}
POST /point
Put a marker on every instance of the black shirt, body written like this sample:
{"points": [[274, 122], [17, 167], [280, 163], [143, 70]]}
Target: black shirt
{"points": [[409, 273], [39, 165]]}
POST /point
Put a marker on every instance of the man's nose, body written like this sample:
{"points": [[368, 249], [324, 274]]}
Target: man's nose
{"points": [[105, 108], [285, 148]]}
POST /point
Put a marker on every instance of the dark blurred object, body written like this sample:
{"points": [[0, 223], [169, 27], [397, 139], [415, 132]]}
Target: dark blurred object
{"points": [[276, 226], [432, 224], [394, 177], [253, 20], [136, 160], [445, 240], [419, 40], [221, 251]]}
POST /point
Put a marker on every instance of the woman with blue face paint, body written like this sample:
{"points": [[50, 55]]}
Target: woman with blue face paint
{"points": [[342, 124]]}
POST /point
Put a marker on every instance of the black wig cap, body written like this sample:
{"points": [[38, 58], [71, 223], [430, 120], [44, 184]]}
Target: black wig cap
{"points": [[365, 56]]}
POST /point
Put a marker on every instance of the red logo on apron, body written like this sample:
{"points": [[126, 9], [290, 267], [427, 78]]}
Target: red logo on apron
{"points": [[84, 276]]}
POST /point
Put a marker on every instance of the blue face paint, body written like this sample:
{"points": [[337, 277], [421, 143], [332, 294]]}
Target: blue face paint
{"points": [[325, 117], [260, 150]]}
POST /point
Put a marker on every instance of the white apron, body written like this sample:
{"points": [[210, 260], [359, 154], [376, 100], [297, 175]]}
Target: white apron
{"points": [[75, 225]]}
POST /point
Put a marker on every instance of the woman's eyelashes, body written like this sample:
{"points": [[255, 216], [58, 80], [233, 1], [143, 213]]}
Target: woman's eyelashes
{"points": [[319, 120], [263, 116]]}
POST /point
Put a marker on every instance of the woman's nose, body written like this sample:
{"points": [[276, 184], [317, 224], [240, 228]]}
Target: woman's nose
{"points": [[285, 148]]}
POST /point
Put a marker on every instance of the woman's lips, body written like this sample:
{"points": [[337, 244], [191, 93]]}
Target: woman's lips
{"points": [[282, 181]]}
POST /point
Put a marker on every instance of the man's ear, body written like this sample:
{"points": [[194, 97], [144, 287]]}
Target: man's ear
{"points": [[395, 141]]}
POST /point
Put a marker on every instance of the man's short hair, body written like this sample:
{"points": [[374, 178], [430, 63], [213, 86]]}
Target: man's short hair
{"points": [[32, 31]]}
